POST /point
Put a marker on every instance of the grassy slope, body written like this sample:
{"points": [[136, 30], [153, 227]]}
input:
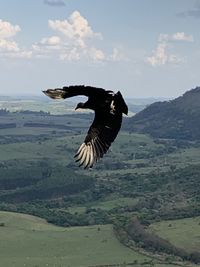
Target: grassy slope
{"points": [[131, 149], [35, 246], [30, 241], [105, 205], [184, 233]]}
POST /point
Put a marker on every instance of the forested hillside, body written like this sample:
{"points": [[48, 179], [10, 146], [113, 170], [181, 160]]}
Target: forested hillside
{"points": [[178, 118], [141, 178]]}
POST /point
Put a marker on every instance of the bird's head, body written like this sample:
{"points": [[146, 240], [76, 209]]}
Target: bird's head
{"points": [[80, 105]]}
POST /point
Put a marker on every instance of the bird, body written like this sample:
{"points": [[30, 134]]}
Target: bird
{"points": [[108, 107]]}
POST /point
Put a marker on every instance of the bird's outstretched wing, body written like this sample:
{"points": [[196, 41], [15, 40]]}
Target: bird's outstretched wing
{"points": [[108, 108], [101, 134], [74, 90]]}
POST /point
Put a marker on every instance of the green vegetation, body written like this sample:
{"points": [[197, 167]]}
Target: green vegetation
{"points": [[184, 233], [180, 117], [30, 241], [133, 232], [147, 178]]}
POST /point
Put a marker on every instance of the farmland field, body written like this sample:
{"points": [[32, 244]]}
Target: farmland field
{"points": [[30, 241], [139, 176], [184, 233]]}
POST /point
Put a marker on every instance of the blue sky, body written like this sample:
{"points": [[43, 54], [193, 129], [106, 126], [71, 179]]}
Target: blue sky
{"points": [[144, 48]]}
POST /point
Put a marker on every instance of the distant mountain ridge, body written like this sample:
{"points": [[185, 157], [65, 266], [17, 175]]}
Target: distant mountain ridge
{"points": [[177, 119]]}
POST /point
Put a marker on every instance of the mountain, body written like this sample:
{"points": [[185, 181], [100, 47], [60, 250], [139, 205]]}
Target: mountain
{"points": [[177, 119]]}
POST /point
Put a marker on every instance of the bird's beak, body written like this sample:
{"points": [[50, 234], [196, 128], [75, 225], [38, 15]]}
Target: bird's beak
{"points": [[76, 108]]}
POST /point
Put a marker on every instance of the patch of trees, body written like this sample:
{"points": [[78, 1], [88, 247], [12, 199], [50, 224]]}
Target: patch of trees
{"points": [[12, 139], [134, 231], [40, 180], [45, 125], [47, 190], [172, 182], [171, 214], [19, 177], [60, 217], [176, 119]]}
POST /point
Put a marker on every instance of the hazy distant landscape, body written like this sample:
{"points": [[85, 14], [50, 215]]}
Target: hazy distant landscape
{"points": [[139, 206], [41, 103]]}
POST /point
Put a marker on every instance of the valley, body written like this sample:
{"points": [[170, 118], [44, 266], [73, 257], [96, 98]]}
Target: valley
{"points": [[149, 178]]}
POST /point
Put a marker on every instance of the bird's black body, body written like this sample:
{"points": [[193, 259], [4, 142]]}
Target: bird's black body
{"points": [[108, 108]]}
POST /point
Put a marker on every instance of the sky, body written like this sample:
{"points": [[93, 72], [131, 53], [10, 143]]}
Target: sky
{"points": [[144, 48]]}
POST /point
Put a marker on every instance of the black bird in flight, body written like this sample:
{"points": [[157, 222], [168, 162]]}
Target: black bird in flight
{"points": [[108, 107]]}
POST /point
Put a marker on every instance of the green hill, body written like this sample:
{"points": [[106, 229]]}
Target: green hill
{"points": [[176, 119], [30, 241], [184, 233], [153, 179]]}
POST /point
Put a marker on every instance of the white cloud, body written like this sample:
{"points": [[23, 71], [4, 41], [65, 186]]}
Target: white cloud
{"points": [[162, 55], [7, 30], [71, 55], [181, 36], [178, 36], [159, 55], [8, 46], [53, 40], [76, 29], [74, 40], [96, 54]]}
